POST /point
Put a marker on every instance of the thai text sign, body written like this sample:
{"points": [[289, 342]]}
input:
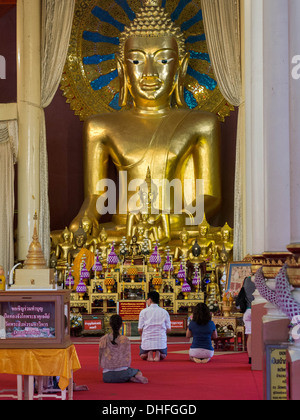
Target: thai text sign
{"points": [[130, 311], [29, 320], [276, 371], [177, 325], [92, 324]]}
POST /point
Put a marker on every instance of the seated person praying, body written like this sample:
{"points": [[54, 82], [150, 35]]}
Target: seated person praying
{"points": [[202, 329], [115, 356], [154, 324]]}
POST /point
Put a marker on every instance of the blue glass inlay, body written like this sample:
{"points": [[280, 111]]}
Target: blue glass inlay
{"points": [[199, 56], [104, 16], [115, 102], [189, 99], [104, 80], [189, 23], [195, 38], [202, 79], [96, 37], [163, 3], [181, 5], [97, 59], [129, 12]]}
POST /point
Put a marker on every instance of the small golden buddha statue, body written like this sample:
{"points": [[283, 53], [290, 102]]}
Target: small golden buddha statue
{"points": [[204, 241], [91, 240], [102, 245], [142, 237], [152, 65], [61, 257], [156, 225], [183, 251], [134, 247], [79, 244], [63, 248], [226, 241], [212, 289]]}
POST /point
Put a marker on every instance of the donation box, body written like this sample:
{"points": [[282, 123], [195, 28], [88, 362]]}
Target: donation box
{"points": [[35, 319]]}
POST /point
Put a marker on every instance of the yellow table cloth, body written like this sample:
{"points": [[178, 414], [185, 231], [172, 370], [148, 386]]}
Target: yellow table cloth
{"points": [[41, 362]]}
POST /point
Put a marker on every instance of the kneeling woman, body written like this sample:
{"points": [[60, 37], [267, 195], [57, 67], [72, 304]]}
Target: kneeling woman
{"points": [[203, 330], [115, 356]]}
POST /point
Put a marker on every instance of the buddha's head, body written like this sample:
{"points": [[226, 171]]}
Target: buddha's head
{"points": [[66, 234], [80, 237], [226, 232], [152, 60], [103, 235], [203, 227], [224, 255], [87, 224], [184, 236]]}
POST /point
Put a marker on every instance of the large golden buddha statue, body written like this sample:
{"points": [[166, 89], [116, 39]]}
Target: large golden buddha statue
{"points": [[158, 132]]}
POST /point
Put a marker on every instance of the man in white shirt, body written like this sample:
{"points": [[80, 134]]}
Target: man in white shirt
{"points": [[154, 324]]}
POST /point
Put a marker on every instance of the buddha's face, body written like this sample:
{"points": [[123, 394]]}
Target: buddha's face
{"points": [[66, 237], [203, 231], [225, 234], [87, 225], [103, 237], [80, 239], [152, 66]]}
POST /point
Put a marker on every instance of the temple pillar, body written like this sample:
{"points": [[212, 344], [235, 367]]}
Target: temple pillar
{"points": [[267, 126], [28, 101], [267, 135], [294, 246], [254, 148], [277, 125]]}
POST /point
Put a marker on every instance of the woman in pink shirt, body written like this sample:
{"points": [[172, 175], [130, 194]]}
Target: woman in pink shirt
{"points": [[115, 356]]}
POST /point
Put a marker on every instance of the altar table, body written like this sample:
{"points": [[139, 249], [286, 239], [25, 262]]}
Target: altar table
{"points": [[28, 363], [231, 322]]}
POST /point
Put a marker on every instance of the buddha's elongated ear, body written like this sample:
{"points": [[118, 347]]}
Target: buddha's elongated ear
{"points": [[179, 89], [123, 92]]}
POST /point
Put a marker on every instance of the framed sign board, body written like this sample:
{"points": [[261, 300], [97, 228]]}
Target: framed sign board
{"points": [[35, 319], [236, 273], [130, 309], [92, 324], [276, 371]]}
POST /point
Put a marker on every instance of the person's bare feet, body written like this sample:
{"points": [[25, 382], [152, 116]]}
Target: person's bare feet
{"points": [[199, 360], [157, 356], [139, 378], [150, 356]]}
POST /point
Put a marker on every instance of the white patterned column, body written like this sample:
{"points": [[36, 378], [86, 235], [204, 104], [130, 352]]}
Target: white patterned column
{"points": [[28, 98]]}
